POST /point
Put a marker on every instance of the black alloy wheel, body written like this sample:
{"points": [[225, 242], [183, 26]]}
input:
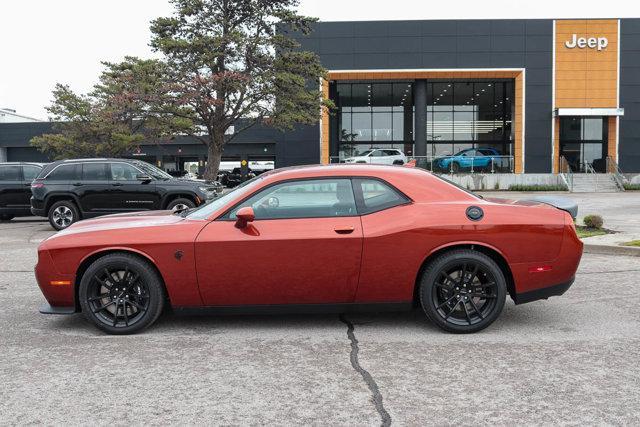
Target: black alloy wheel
{"points": [[455, 167], [463, 291], [121, 294]]}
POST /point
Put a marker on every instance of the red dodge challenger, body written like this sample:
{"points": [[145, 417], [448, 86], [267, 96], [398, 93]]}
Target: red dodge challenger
{"points": [[320, 238]]}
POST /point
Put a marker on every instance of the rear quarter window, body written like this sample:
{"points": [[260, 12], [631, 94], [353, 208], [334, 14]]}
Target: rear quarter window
{"points": [[10, 173], [65, 173], [376, 195]]}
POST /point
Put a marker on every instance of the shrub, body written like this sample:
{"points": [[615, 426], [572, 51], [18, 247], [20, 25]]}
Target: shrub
{"points": [[537, 187], [631, 187], [593, 221]]}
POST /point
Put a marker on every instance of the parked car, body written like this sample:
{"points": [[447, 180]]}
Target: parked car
{"points": [[69, 190], [15, 188], [320, 238], [379, 156], [478, 158], [234, 178]]}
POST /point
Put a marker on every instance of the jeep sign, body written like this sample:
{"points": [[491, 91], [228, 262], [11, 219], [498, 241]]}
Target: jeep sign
{"points": [[599, 43]]}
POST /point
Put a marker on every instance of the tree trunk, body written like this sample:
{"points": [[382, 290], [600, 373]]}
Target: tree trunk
{"points": [[214, 153]]}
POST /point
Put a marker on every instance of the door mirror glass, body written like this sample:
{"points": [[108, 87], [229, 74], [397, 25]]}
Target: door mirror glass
{"points": [[244, 216]]}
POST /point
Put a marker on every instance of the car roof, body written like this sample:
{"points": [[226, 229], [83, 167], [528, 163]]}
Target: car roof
{"points": [[22, 163]]}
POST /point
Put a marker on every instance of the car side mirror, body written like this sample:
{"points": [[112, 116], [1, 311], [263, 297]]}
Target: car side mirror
{"points": [[143, 177], [244, 216]]}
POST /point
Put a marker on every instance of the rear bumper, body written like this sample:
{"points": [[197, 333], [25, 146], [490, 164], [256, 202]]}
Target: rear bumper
{"points": [[37, 207], [49, 309], [543, 293]]}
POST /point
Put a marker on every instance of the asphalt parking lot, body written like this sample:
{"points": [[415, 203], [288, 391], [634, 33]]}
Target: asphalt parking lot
{"points": [[571, 359]]}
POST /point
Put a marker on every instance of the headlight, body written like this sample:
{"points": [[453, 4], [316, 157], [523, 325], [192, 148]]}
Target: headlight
{"points": [[209, 192]]}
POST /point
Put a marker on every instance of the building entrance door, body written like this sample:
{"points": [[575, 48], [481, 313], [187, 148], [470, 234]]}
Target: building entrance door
{"points": [[583, 142]]}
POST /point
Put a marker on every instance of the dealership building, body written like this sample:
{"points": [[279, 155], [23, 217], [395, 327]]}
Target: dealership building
{"points": [[539, 94]]}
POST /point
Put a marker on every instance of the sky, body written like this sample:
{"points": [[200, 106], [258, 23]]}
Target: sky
{"points": [[44, 42]]}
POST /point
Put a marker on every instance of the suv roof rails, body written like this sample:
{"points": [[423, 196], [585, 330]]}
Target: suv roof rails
{"points": [[82, 160]]}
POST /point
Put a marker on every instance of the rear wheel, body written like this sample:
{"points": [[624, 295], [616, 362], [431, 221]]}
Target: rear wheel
{"points": [[180, 204], [6, 217], [62, 214], [463, 291], [121, 294]]}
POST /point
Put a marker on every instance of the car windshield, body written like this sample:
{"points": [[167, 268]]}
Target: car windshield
{"points": [[206, 210], [152, 170]]}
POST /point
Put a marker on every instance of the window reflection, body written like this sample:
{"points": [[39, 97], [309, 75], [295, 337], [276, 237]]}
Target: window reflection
{"points": [[462, 115], [375, 112]]}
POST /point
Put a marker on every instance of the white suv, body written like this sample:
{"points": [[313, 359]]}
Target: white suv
{"points": [[381, 156]]}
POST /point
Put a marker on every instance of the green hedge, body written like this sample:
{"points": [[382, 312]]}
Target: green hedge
{"points": [[538, 187], [631, 187]]}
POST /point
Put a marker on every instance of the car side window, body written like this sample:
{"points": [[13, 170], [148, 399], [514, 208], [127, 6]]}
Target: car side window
{"points": [[10, 173], [314, 198], [94, 172], [377, 195], [123, 172], [377, 153], [29, 173], [65, 173]]}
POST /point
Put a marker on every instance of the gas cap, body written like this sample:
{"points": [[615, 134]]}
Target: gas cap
{"points": [[474, 213]]}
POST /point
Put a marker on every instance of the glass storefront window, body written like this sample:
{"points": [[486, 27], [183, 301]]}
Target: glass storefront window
{"points": [[474, 114], [375, 112]]}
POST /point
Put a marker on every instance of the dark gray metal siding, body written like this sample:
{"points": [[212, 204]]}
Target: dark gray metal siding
{"points": [[629, 138], [452, 44]]}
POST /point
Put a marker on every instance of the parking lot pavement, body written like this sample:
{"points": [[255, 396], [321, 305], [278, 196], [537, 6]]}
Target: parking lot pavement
{"points": [[571, 359]]}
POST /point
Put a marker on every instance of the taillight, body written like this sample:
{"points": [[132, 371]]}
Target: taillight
{"points": [[37, 184]]}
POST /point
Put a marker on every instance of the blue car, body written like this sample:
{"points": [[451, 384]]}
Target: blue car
{"points": [[480, 158]]}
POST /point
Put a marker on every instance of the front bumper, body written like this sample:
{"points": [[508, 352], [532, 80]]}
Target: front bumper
{"points": [[543, 293]]}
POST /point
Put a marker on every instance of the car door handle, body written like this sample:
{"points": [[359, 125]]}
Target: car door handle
{"points": [[344, 230], [117, 184], [77, 184]]}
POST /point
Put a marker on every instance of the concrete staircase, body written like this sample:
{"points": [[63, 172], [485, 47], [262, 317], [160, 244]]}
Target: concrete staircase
{"points": [[594, 182]]}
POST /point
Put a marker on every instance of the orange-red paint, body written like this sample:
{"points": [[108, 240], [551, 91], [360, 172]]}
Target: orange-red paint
{"points": [[297, 261]]}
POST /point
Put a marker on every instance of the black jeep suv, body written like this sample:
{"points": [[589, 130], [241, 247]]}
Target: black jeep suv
{"points": [[15, 188], [69, 190]]}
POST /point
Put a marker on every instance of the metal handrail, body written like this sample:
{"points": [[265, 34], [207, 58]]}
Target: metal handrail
{"points": [[566, 173], [588, 167], [614, 170]]}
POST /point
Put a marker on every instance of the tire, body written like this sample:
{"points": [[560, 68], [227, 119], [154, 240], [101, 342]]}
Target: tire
{"points": [[6, 217], [62, 214], [464, 307], [180, 204], [455, 167], [118, 312]]}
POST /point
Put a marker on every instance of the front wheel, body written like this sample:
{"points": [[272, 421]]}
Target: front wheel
{"points": [[180, 205], [121, 294], [463, 291]]}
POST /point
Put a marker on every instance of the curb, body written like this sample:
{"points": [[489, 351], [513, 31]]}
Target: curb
{"points": [[611, 250]]}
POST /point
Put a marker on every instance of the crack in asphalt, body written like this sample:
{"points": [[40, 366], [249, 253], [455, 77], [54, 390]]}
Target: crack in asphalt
{"points": [[366, 376]]}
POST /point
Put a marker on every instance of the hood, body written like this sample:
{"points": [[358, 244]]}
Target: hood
{"points": [[122, 221]]}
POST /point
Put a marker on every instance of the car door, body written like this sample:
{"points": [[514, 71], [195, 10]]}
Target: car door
{"points": [[129, 193], [11, 187], [94, 190], [304, 247], [377, 157]]}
